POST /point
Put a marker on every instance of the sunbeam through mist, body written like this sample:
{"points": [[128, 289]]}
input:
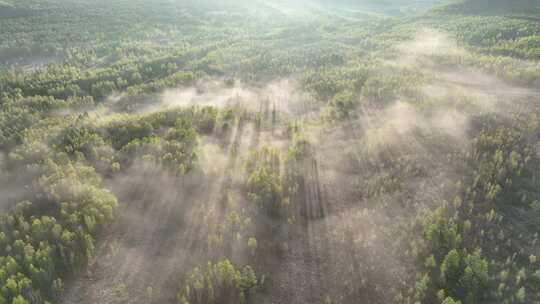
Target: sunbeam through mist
{"points": [[269, 151]]}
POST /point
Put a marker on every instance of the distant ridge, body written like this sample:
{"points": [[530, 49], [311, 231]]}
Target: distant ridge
{"points": [[490, 7]]}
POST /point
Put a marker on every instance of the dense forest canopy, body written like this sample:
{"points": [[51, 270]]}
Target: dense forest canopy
{"points": [[269, 151]]}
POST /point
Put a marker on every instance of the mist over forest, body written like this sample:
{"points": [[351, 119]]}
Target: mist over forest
{"points": [[269, 151]]}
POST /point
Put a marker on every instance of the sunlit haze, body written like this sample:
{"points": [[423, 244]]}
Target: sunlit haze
{"points": [[269, 151]]}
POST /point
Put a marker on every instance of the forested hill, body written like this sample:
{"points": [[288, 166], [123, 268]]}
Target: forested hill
{"points": [[256, 152], [506, 28], [492, 7]]}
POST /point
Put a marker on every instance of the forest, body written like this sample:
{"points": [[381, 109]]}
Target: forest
{"points": [[270, 151]]}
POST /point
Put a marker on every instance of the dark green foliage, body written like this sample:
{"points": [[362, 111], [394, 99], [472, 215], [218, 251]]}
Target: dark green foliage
{"points": [[54, 234], [264, 183]]}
